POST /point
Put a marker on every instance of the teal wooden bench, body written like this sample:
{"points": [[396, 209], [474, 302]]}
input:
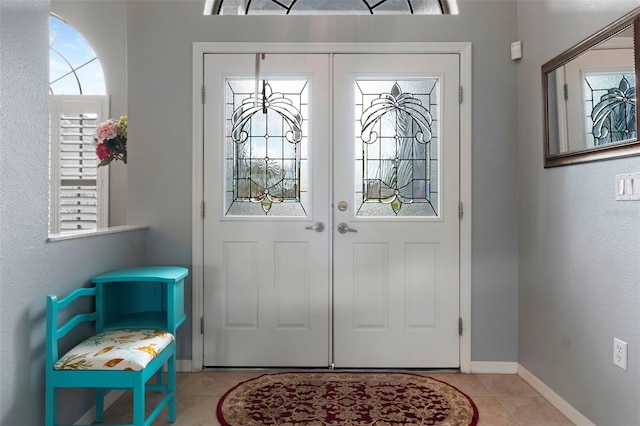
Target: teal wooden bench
{"points": [[123, 354]]}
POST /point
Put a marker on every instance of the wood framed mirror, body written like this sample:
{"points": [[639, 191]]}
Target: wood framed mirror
{"points": [[589, 97]]}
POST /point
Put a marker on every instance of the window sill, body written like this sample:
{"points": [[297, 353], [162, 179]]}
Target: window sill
{"points": [[85, 234]]}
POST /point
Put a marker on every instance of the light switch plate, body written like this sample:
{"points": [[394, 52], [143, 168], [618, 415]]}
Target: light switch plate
{"points": [[516, 50], [628, 187]]}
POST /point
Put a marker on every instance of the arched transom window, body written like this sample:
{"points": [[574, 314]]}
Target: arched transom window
{"points": [[335, 7]]}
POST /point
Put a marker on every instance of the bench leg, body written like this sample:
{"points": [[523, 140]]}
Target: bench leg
{"points": [[51, 406], [159, 378], [171, 375], [99, 405], [138, 403]]}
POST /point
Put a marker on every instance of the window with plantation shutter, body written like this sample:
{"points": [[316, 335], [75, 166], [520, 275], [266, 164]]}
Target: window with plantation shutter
{"points": [[79, 189]]}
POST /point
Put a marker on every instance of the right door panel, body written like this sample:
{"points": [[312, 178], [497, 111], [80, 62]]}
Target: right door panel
{"points": [[396, 245]]}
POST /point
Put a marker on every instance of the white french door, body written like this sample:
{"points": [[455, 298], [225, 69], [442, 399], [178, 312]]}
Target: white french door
{"points": [[396, 277], [331, 234], [266, 277]]}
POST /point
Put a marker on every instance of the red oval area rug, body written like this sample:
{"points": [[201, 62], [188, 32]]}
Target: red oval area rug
{"points": [[345, 399]]}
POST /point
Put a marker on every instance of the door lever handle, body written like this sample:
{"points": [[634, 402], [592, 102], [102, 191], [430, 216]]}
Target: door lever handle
{"points": [[343, 228], [318, 227]]}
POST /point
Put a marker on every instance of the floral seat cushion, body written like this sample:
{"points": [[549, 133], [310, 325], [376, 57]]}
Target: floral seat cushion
{"points": [[116, 350]]}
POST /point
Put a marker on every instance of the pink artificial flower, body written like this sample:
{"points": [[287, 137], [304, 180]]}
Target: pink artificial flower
{"points": [[103, 152], [107, 130]]}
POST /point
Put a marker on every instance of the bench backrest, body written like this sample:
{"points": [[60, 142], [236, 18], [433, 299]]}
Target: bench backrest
{"points": [[55, 332]]}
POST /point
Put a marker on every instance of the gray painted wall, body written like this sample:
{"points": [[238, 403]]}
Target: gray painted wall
{"points": [[161, 35], [579, 248], [31, 267]]}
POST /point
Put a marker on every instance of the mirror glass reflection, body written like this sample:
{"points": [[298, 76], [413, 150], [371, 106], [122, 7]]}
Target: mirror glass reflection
{"points": [[592, 98], [589, 97]]}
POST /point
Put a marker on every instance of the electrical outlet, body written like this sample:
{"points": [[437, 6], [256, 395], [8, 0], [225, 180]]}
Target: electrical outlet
{"points": [[620, 353]]}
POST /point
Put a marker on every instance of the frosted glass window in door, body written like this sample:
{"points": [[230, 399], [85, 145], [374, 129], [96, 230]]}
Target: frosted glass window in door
{"points": [[397, 147], [266, 148]]}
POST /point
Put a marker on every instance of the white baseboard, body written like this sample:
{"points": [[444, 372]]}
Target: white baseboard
{"points": [[489, 367], [182, 366], [556, 400], [90, 416]]}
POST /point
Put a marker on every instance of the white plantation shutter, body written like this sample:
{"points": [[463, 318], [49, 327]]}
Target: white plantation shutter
{"points": [[78, 189]]}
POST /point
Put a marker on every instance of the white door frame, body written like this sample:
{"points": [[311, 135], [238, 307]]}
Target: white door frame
{"points": [[197, 236]]}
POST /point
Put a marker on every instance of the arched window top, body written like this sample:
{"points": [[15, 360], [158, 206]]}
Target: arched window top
{"points": [[335, 7], [74, 68]]}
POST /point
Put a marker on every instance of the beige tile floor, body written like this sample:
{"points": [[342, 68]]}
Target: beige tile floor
{"points": [[502, 400]]}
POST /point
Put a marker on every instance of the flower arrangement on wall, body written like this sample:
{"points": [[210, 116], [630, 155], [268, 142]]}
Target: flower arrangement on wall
{"points": [[111, 140]]}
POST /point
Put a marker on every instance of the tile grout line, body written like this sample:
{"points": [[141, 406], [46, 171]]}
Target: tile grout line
{"points": [[498, 397]]}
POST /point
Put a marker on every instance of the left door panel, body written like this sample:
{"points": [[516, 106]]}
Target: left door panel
{"points": [[266, 180]]}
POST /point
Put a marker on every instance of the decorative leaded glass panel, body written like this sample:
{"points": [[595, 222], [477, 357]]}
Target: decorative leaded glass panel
{"points": [[610, 106], [266, 148], [317, 7], [397, 147]]}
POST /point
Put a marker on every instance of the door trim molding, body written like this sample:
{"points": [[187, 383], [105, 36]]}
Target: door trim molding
{"points": [[197, 236]]}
